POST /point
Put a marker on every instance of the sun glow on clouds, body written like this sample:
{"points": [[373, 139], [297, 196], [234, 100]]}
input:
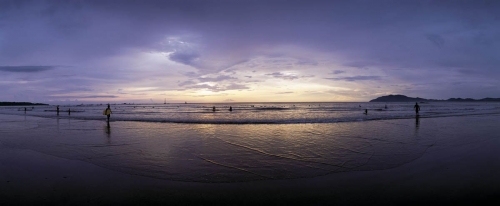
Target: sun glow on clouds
{"points": [[135, 51], [261, 78], [140, 76]]}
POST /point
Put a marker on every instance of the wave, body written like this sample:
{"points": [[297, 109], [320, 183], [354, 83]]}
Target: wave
{"points": [[263, 114], [266, 121]]}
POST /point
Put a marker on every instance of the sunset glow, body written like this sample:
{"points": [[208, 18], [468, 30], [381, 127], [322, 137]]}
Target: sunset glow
{"points": [[96, 51]]}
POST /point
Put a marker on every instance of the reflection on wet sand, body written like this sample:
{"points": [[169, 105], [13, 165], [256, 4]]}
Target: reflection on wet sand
{"points": [[107, 130], [233, 153], [417, 121]]}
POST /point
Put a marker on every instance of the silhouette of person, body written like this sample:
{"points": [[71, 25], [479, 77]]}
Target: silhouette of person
{"points": [[213, 109], [57, 110], [69, 111], [366, 111], [230, 108], [107, 112], [25, 110], [417, 108]]}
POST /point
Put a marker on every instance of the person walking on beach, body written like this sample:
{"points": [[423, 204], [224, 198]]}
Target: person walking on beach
{"points": [[416, 107], [107, 112]]}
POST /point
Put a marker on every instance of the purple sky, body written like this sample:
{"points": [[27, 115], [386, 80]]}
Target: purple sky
{"points": [[217, 51]]}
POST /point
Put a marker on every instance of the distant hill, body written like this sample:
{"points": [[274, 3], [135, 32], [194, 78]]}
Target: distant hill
{"points": [[20, 104], [397, 98], [403, 98]]}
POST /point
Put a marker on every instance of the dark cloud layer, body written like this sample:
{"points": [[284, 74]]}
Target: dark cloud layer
{"points": [[26, 69], [280, 75], [87, 97], [355, 78], [409, 42], [338, 72]]}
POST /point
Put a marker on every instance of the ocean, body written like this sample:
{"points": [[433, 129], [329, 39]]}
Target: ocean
{"points": [[255, 141], [259, 113]]}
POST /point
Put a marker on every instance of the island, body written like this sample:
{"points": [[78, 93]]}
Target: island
{"points": [[20, 104], [403, 98]]}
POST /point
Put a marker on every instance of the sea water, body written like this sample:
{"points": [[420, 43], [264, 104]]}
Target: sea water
{"points": [[258, 113], [255, 141]]}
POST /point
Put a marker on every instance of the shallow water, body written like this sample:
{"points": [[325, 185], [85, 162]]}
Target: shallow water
{"points": [[260, 113], [212, 151]]}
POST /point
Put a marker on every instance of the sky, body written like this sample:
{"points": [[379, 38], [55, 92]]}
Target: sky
{"points": [[152, 51]]}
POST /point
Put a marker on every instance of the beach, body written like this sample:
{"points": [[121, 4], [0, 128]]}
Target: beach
{"points": [[249, 102], [435, 160]]}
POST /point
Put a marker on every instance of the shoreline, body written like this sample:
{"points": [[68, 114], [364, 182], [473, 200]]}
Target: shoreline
{"points": [[448, 172]]}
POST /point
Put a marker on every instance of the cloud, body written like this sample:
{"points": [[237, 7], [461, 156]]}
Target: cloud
{"points": [[355, 78], [234, 86], [436, 40], [216, 79], [285, 76], [185, 58], [100, 96], [84, 97], [26, 69], [204, 86], [198, 40], [307, 62], [219, 88], [280, 75], [360, 64], [189, 82]]}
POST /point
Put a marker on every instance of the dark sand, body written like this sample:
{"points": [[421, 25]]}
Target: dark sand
{"points": [[463, 173]]}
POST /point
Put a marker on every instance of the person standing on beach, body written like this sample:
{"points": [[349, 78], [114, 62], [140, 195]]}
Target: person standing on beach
{"points": [[57, 110], [107, 112], [416, 107]]}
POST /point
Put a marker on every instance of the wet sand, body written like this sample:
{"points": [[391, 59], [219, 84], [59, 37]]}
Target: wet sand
{"points": [[462, 167]]}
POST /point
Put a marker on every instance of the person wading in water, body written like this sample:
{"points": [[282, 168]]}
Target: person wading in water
{"points": [[416, 107], [107, 112]]}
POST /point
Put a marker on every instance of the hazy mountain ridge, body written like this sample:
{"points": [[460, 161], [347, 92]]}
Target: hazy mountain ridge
{"points": [[403, 98]]}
